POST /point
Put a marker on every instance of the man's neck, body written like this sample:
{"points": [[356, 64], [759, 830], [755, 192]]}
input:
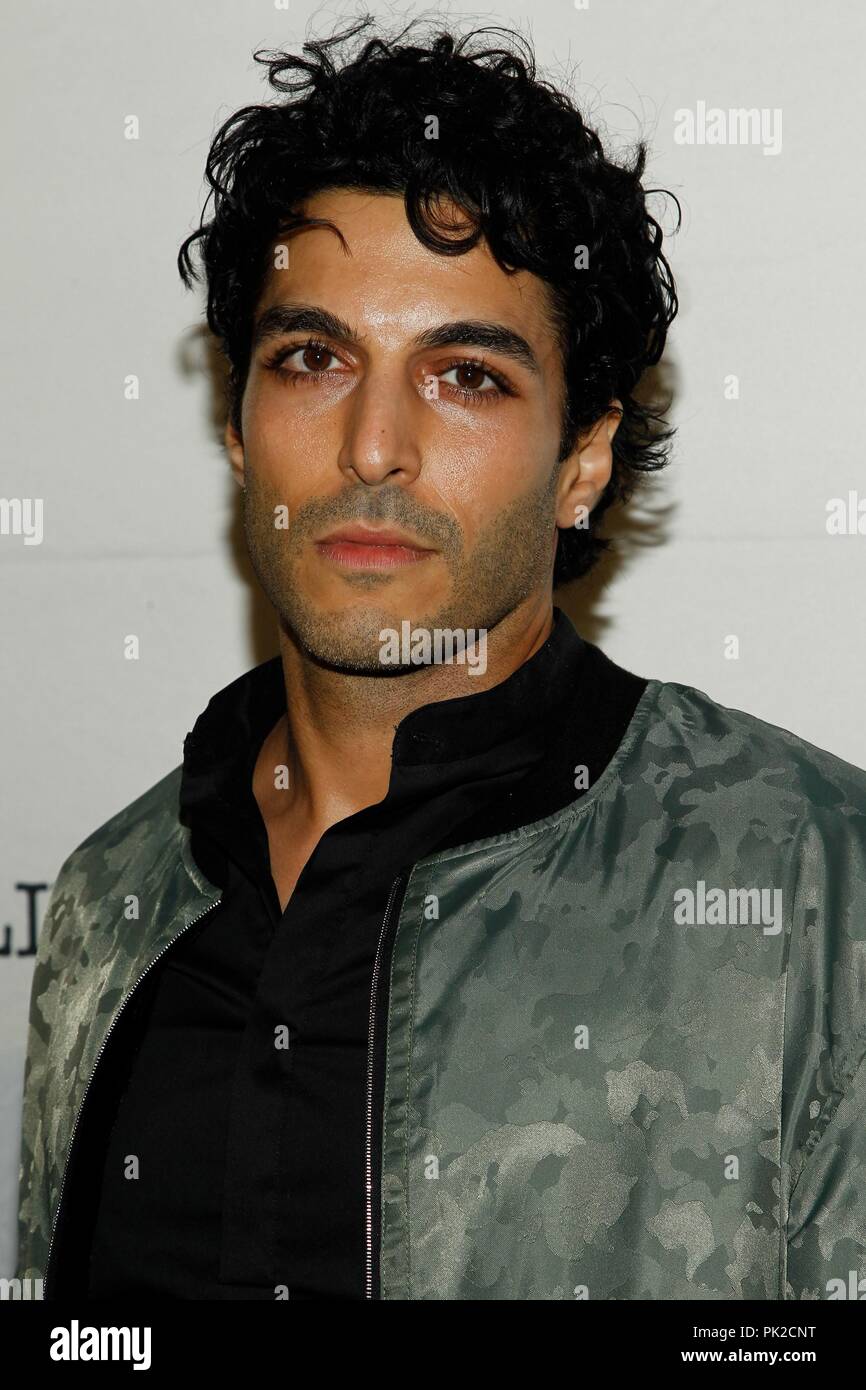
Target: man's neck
{"points": [[330, 755]]}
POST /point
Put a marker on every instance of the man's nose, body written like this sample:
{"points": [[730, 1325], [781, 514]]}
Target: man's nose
{"points": [[381, 425]]}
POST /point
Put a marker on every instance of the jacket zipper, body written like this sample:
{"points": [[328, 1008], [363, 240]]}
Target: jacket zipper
{"points": [[371, 1033], [156, 958]]}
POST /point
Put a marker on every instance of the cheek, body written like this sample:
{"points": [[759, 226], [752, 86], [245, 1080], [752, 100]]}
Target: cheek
{"points": [[480, 468], [286, 451]]}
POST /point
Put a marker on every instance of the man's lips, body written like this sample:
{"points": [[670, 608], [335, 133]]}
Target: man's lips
{"points": [[362, 547]]}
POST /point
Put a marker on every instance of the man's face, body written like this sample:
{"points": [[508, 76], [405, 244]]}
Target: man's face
{"points": [[452, 444]]}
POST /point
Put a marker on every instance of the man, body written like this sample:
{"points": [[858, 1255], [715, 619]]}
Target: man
{"points": [[455, 961]]}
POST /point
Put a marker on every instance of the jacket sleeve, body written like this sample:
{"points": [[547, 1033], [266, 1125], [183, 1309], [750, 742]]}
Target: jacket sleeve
{"points": [[34, 1173], [827, 1211], [824, 1076], [85, 964]]}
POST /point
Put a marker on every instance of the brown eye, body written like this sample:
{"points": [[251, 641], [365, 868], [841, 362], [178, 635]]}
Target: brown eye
{"points": [[315, 358], [470, 376], [305, 362]]}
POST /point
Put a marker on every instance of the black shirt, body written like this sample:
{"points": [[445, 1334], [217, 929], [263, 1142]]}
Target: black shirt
{"points": [[242, 1095]]}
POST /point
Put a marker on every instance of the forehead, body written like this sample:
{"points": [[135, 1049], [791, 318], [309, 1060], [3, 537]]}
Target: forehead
{"points": [[386, 279]]}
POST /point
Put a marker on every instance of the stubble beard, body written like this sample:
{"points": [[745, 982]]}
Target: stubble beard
{"points": [[511, 558]]}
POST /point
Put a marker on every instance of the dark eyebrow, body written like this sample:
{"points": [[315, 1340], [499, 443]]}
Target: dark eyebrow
{"points": [[477, 333], [307, 318], [299, 318]]}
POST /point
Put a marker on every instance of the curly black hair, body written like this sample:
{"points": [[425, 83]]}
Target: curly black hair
{"points": [[514, 154]]}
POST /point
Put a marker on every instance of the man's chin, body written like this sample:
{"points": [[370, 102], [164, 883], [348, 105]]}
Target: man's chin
{"points": [[355, 643]]}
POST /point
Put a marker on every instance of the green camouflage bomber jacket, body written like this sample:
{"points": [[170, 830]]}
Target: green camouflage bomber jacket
{"points": [[625, 1044]]}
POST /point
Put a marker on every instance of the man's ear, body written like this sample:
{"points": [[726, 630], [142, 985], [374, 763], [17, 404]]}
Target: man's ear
{"points": [[235, 451], [585, 473]]}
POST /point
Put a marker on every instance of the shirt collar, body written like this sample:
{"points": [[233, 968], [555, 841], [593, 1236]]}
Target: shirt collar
{"points": [[447, 730]]}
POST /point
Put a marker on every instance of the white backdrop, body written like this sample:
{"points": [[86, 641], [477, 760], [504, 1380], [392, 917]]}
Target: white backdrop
{"points": [[140, 531]]}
